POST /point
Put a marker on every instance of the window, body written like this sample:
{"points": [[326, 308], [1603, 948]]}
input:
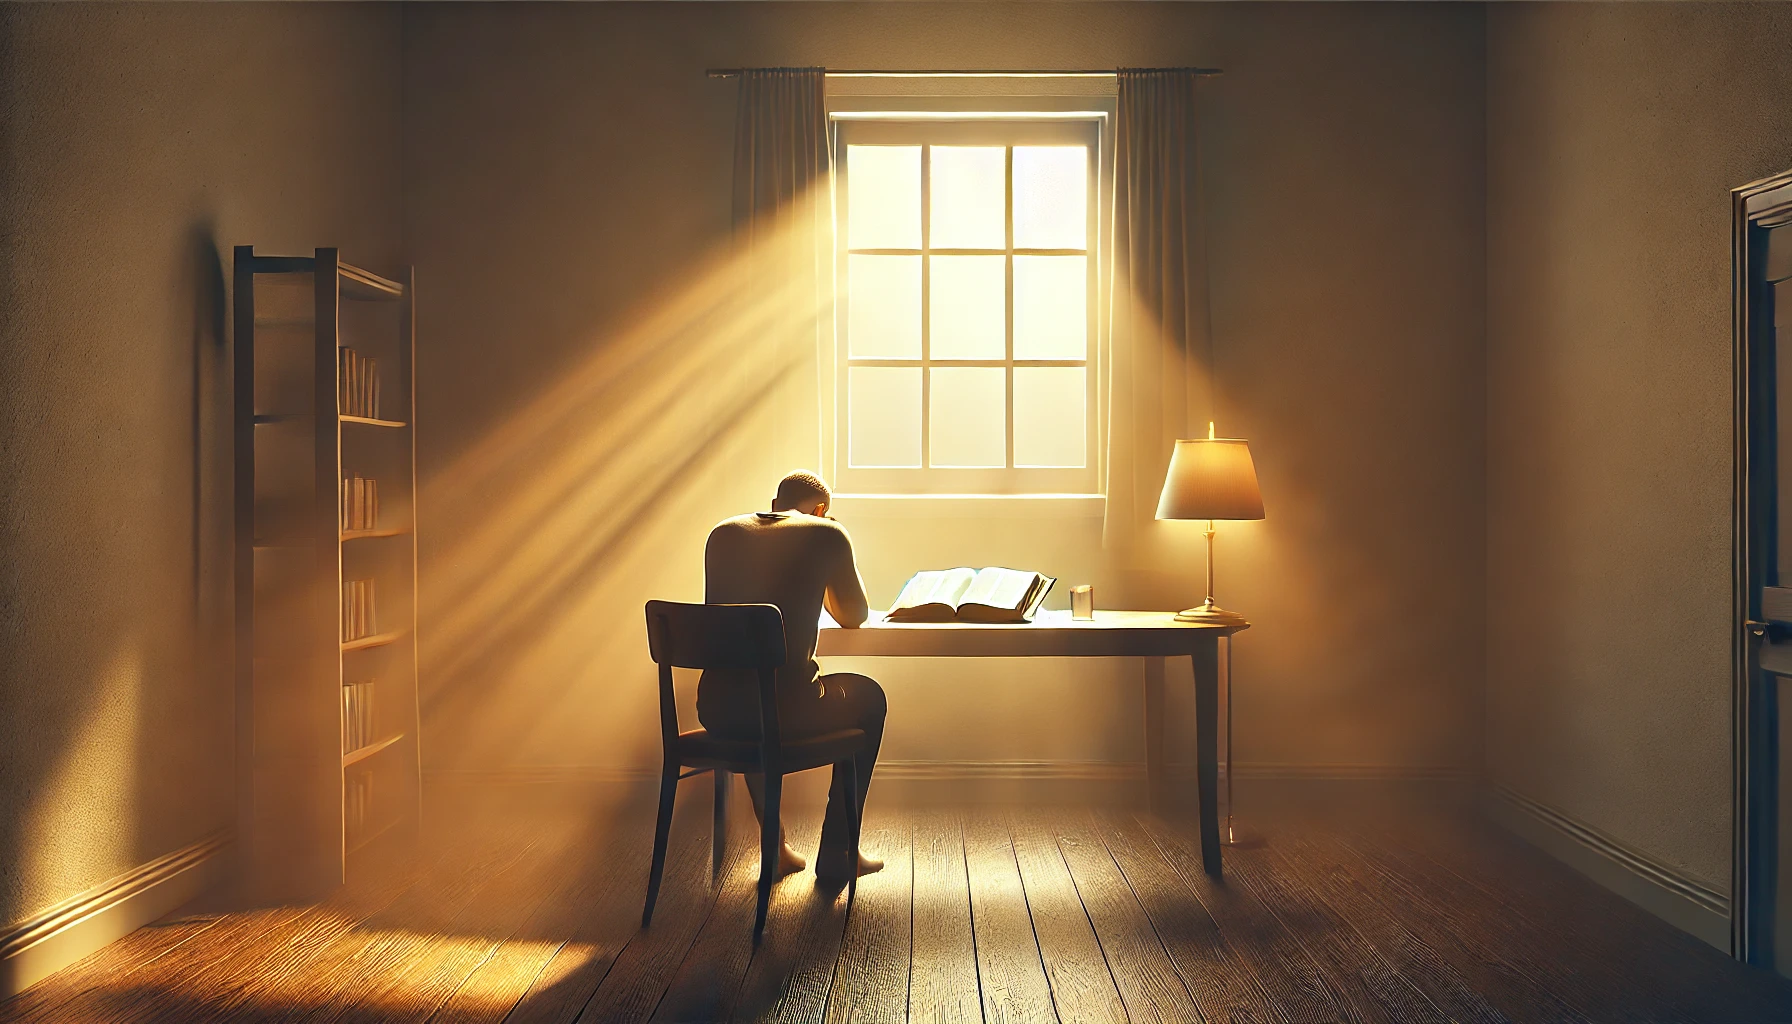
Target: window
{"points": [[967, 270]]}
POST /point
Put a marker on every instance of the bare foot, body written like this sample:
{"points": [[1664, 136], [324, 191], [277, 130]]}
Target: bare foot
{"points": [[789, 861], [830, 866]]}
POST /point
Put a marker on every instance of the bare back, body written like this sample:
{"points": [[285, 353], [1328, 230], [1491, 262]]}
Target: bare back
{"points": [[798, 562]]}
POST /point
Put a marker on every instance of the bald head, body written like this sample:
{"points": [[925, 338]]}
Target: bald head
{"points": [[802, 491]]}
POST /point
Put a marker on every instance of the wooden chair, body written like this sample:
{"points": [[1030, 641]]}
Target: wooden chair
{"points": [[747, 637]]}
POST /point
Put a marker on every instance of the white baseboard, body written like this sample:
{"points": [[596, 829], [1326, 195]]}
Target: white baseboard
{"points": [[36, 948], [1664, 891]]}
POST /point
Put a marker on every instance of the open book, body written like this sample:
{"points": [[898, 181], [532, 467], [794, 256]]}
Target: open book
{"points": [[971, 595]]}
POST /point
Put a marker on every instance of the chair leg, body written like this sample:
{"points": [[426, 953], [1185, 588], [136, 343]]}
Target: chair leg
{"points": [[719, 835], [852, 853], [662, 830], [771, 845]]}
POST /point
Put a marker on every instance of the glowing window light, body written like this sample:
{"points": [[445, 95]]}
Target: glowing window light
{"points": [[967, 320]]}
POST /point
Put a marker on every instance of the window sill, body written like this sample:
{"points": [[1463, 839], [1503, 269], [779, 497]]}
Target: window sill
{"points": [[848, 507]]}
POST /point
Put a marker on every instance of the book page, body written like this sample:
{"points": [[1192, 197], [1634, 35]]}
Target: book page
{"points": [[918, 590], [955, 585], [996, 587], [933, 586]]}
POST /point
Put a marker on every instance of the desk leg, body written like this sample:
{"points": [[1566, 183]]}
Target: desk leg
{"points": [[1207, 771], [1154, 734]]}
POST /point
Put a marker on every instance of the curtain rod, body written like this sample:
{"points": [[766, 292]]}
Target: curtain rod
{"points": [[1110, 73]]}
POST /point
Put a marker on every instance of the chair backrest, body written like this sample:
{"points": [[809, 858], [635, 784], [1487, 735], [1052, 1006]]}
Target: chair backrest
{"points": [[741, 636], [738, 636]]}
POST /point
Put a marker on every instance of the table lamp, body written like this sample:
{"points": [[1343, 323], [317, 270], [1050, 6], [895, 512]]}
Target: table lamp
{"points": [[1211, 478]]}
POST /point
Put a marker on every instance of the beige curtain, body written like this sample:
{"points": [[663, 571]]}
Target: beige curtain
{"points": [[783, 218], [1160, 356]]}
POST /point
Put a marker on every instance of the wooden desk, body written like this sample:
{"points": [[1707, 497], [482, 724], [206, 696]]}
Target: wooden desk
{"points": [[1153, 636]]}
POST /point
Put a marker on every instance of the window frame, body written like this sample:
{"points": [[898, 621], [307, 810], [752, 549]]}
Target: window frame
{"points": [[1007, 128]]}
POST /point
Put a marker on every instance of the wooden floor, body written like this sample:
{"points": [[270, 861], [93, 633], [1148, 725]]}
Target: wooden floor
{"points": [[1000, 915]]}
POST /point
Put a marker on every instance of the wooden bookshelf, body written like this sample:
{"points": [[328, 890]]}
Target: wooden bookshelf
{"points": [[298, 437], [391, 531], [363, 753], [362, 643]]}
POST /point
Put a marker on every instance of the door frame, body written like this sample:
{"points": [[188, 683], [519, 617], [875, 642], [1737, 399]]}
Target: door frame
{"points": [[1754, 208]]}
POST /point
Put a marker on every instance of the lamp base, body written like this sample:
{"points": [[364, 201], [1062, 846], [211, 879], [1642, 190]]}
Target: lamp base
{"points": [[1211, 614]]}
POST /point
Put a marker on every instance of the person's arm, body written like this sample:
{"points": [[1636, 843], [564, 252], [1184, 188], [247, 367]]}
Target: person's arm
{"points": [[845, 597]]}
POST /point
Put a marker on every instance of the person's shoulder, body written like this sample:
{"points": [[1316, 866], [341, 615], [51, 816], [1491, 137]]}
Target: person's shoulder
{"points": [[733, 525], [826, 531]]}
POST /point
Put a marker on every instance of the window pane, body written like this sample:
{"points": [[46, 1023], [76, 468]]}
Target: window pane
{"points": [[1050, 416], [968, 416], [969, 197], [1051, 300], [883, 307], [967, 307], [883, 416], [1051, 197], [883, 197]]}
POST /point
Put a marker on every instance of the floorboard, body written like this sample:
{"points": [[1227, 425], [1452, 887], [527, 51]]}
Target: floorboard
{"points": [[1604, 924], [582, 940], [871, 974], [1296, 987], [793, 968], [1082, 986], [704, 986], [1011, 974], [526, 910], [1373, 989], [1315, 869], [593, 874], [1149, 983], [1544, 945], [102, 969], [943, 976], [1225, 979], [350, 974], [634, 984]]}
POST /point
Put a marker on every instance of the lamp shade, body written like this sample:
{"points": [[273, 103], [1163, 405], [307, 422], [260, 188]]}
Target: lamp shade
{"points": [[1211, 478]]}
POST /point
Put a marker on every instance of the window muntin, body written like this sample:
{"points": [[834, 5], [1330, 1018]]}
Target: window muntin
{"points": [[967, 329]]}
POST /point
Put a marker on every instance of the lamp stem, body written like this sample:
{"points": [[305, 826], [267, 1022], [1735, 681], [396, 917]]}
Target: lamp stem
{"points": [[1210, 602], [1210, 612]]}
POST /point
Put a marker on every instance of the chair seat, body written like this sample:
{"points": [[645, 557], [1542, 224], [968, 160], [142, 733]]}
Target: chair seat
{"points": [[698, 749]]}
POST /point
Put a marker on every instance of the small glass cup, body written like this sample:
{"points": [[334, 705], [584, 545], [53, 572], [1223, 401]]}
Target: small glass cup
{"points": [[1082, 602]]}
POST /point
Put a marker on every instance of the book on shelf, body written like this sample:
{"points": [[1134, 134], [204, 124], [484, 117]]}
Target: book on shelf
{"points": [[360, 503], [358, 618], [991, 594], [357, 384], [357, 715]]}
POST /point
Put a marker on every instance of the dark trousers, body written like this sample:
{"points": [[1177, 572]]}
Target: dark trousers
{"points": [[847, 701]]}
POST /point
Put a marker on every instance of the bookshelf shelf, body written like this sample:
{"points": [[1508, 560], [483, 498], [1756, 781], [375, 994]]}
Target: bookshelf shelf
{"points": [[394, 531], [293, 492], [367, 285], [364, 642], [364, 841], [357, 756]]}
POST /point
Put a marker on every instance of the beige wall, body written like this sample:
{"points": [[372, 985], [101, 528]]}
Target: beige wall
{"points": [[138, 143], [1614, 135], [567, 198]]}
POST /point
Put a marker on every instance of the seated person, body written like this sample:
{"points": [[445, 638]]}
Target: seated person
{"points": [[799, 559]]}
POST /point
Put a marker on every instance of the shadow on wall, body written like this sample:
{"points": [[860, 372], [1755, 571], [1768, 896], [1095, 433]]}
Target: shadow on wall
{"points": [[113, 756], [589, 500]]}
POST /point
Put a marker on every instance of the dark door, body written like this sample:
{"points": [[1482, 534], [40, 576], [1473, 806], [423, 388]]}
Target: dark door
{"points": [[1761, 902]]}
